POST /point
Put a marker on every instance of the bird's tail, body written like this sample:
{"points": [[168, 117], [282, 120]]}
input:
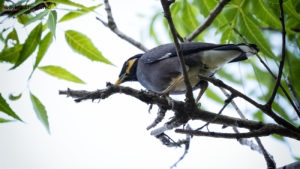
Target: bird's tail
{"points": [[248, 50]]}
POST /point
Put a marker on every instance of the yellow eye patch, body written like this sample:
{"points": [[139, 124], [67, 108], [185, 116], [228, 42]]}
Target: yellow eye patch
{"points": [[130, 64]]}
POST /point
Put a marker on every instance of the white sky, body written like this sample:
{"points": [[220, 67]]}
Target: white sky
{"points": [[110, 133]]}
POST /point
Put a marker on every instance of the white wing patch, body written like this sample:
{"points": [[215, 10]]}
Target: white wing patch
{"points": [[167, 55], [217, 58]]}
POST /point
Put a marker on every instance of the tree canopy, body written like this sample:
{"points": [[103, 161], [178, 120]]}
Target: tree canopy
{"points": [[269, 82]]}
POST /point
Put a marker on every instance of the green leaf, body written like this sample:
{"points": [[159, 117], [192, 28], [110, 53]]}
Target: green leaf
{"points": [[52, 19], [40, 111], [296, 157], [12, 54], [20, 12], [263, 11], [27, 19], [61, 73], [278, 137], [44, 45], [251, 31], [188, 20], [30, 45], [228, 35], [205, 6], [211, 94], [152, 27], [74, 14], [259, 115], [14, 98], [290, 8], [1, 5], [13, 35], [282, 112], [2, 120], [83, 45], [5, 108], [68, 3]]}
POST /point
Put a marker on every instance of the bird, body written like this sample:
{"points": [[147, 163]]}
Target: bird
{"points": [[159, 69]]}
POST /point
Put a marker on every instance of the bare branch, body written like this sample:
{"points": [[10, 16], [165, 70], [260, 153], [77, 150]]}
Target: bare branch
{"points": [[295, 104], [113, 27], [16, 9], [268, 157], [227, 101], [283, 52], [295, 165], [266, 130], [266, 109], [189, 92], [186, 149], [213, 14], [160, 115], [294, 95], [260, 147], [180, 109]]}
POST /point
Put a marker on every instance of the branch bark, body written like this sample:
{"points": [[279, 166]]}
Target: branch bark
{"points": [[181, 117], [208, 21], [266, 109], [283, 52], [189, 92], [113, 27], [15, 9]]}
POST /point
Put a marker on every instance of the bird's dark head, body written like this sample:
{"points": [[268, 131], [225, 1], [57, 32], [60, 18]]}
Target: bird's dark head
{"points": [[128, 72]]}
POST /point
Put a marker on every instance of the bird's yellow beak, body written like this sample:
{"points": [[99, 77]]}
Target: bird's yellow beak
{"points": [[121, 79]]}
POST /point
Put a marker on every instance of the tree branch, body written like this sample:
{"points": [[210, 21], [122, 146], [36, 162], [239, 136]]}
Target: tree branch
{"points": [[212, 15], [266, 109], [266, 130], [15, 9], [180, 110], [295, 165], [268, 157], [260, 147], [189, 92], [113, 27], [293, 103], [283, 52]]}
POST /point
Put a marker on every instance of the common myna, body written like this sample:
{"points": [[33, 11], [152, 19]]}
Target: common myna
{"points": [[159, 69]]}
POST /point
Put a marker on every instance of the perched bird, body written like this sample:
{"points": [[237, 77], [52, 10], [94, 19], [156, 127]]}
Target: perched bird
{"points": [[159, 69]]}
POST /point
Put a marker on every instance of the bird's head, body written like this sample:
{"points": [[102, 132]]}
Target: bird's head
{"points": [[128, 72]]}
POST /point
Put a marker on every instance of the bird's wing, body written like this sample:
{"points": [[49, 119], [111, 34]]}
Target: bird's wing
{"points": [[169, 50]]}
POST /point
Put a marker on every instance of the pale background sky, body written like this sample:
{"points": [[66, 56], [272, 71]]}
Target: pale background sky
{"points": [[110, 133]]}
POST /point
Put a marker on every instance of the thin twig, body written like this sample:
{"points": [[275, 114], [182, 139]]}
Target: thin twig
{"points": [[227, 101], [189, 92], [268, 157], [111, 24], [260, 147], [283, 54], [264, 131], [186, 142], [13, 10], [294, 95], [296, 108], [213, 14], [266, 109], [160, 115]]}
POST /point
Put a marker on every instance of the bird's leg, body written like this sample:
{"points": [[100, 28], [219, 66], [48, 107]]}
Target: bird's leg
{"points": [[173, 84], [203, 86]]}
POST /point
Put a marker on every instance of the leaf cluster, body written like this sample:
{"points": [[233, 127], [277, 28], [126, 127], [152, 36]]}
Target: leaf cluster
{"points": [[243, 21], [41, 18]]}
